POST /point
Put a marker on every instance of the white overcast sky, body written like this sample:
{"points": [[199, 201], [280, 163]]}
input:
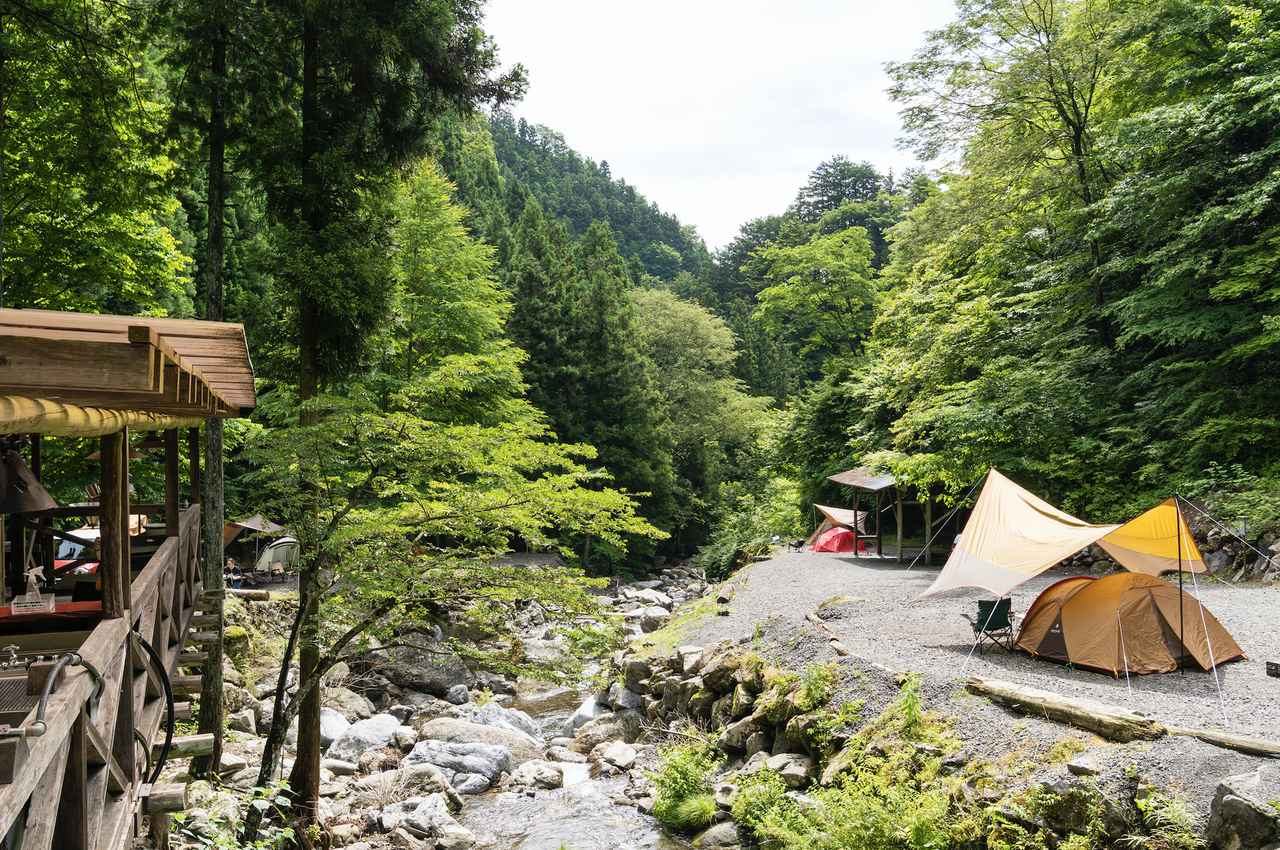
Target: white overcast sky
{"points": [[715, 109]]}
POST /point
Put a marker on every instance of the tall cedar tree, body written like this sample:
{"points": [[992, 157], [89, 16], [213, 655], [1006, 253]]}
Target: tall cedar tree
{"points": [[365, 81]]}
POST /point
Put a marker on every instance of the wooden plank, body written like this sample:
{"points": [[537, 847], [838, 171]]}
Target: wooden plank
{"points": [[71, 830], [171, 464], [33, 363], [193, 464], [43, 813], [126, 559], [99, 754]]}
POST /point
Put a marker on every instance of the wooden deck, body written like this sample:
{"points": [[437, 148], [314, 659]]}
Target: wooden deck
{"points": [[81, 784]]}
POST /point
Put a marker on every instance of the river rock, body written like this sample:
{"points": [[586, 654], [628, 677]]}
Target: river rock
{"points": [[492, 714], [734, 736], [521, 747], [432, 821], [351, 705], [417, 779], [721, 835], [404, 737], [649, 596], [595, 733], [1243, 816], [558, 753], [650, 618], [363, 735], [617, 753], [485, 760], [538, 774], [243, 721], [795, 769], [620, 697], [635, 671], [338, 767], [591, 709], [690, 658]]}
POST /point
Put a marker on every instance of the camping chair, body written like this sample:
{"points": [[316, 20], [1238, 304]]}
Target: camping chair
{"points": [[993, 624]]}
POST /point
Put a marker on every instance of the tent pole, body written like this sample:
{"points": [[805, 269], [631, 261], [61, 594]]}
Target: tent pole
{"points": [[1213, 664], [1124, 653], [1182, 614]]}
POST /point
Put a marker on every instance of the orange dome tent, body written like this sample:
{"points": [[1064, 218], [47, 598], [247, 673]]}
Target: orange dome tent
{"points": [[1127, 622]]}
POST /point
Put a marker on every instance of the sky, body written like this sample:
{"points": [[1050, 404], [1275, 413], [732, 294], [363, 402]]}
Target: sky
{"points": [[716, 110]]}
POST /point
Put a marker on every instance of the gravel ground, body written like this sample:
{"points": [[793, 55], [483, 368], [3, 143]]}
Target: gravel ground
{"points": [[880, 621]]}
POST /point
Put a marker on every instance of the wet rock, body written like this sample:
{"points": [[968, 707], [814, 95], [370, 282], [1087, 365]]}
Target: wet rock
{"points": [[722, 835], [538, 774], [591, 709], [486, 760], [795, 769], [592, 734], [1242, 816], [521, 747], [363, 735]]}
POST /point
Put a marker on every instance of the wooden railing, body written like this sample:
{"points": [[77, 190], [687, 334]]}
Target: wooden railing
{"points": [[80, 784]]}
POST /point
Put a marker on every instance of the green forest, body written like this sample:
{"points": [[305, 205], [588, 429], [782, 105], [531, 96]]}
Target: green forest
{"points": [[471, 338]]}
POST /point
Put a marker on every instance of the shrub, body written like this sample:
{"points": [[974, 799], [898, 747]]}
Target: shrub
{"points": [[749, 522], [761, 796], [683, 776], [1167, 824], [817, 686]]}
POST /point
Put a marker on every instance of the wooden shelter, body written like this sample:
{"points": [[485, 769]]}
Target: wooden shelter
{"points": [[881, 488], [90, 690]]}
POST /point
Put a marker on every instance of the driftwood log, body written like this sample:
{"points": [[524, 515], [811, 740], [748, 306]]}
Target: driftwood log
{"points": [[185, 746], [1239, 743], [1109, 721], [251, 595]]}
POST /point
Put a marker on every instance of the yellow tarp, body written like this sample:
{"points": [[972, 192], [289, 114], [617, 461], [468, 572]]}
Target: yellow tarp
{"points": [[1012, 535], [1155, 542]]}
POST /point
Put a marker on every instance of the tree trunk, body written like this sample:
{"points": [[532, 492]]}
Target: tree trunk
{"points": [[304, 780], [212, 708]]}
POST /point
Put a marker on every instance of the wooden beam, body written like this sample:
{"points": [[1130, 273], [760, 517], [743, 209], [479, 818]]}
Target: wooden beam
{"points": [[111, 565], [193, 463], [126, 513], [172, 461]]}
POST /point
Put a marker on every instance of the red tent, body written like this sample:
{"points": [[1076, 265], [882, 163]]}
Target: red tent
{"points": [[836, 540]]}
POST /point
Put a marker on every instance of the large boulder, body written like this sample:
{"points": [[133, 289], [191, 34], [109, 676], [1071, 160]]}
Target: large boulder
{"points": [[348, 703], [487, 760], [363, 735], [416, 779], [1245, 814], [635, 671], [650, 618], [332, 725], [434, 673], [620, 697], [492, 714], [452, 730], [796, 770]]}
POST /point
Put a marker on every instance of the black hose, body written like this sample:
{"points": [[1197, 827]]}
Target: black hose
{"points": [[38, 725], [158, 663]]}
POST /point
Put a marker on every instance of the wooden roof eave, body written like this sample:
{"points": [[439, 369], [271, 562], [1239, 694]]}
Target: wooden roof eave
{"points": [[25, 415]]}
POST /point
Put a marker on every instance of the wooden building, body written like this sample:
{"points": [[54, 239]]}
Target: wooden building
{"points": [[881, 490], [90, 690]]}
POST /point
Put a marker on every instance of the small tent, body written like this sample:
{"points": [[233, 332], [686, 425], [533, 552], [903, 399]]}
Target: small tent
{"points": [[837, 518], [1124, 623], [835, 540]]}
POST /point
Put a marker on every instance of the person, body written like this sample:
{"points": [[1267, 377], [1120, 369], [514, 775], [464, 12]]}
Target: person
{"points": [[234, 577]]}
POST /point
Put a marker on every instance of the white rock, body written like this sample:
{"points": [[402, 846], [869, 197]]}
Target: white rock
{"points": [[404, 737], [589, 710], [487, 760], [338, 767], [537, 774], [619, 754], [363, 735]]}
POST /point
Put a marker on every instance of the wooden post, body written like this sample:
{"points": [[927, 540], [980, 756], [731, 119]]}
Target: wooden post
{"points": [[879, 534], [44, 525], [171, 463], [897, 513], [193, 461], [126, 514], [110, 550], [928, 525]]}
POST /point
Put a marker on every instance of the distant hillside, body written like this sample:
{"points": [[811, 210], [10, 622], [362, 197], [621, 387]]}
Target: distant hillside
{"points": [[579, 190]]}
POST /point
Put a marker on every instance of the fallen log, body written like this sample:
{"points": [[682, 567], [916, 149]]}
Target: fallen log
{"points": [[185, 746], [253, 595], [1109, 721], [165, 798], [1239, 743]]}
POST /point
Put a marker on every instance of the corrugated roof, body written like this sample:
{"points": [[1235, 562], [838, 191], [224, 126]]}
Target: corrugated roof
{"points": [[864, 478]]}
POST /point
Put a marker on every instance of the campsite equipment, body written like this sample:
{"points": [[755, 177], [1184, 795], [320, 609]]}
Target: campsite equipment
{"points": [[994, 623], [855, 521], [1124, 623], [835, 540], [276, 557]]}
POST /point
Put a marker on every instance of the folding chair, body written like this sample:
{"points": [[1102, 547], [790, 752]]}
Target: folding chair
{"points": [[994, 623]]}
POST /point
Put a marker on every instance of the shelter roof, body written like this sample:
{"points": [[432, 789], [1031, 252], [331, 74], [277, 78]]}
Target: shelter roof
{"points": [[864, 478], [97, 370]]}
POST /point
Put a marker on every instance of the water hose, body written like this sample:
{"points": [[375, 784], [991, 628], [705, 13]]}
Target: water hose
{"points": [[158, 663]]}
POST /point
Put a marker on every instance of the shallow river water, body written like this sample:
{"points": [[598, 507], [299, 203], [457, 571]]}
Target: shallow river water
{"points": [[579, 816]]}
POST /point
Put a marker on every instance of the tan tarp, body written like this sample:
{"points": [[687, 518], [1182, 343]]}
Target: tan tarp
{"points": [[838, 518], [1124, 622], [1155, 542], [1011, 536]]}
